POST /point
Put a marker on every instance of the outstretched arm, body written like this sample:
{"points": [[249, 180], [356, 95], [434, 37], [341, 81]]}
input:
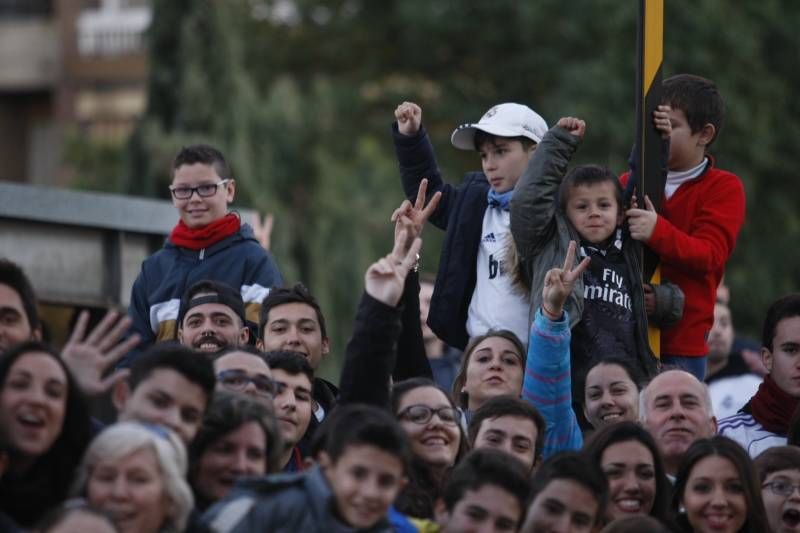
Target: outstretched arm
{"points": [[547, 384], [412, 361], [371, 352], [533, 205], [417, 161]]}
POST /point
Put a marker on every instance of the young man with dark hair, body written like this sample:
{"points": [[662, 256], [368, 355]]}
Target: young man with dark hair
{"points": [[362, 469], [291, 320], [569, 493], [511, 425], [209, 242], [169, 385], [293, 378], [764, 421], [487, 491], [19, 318], [212, 317]]}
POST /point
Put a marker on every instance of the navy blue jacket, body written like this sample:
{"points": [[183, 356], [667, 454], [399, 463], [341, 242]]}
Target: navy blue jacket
{"points": [[460, 213], [238, 260], [289, 503]]}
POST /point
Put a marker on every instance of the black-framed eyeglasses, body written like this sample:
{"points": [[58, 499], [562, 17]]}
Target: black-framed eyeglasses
{"points": [[422, 414], [781, 487], [206, 190], [236, 380]]}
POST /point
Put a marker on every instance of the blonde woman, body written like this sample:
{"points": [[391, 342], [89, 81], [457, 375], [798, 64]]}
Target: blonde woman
{"points": [[137, 474]]}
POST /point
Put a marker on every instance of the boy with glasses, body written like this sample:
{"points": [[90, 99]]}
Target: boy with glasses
{"points": [[778, 470], [207, 243]]}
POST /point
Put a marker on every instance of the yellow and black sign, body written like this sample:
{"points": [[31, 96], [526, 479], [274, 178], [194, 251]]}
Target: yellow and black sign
{"points": [[648, 163]]}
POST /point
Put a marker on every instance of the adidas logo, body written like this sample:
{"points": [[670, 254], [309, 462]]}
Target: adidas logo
{"points": [[489, 238]]}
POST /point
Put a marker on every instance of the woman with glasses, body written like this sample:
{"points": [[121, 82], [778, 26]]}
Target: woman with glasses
{"points": [[717, 490], [432, 422], [778, 471], [239, 437]]}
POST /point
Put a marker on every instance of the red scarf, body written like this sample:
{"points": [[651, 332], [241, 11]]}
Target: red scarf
{"points": [[199, 238], [772, 407]]}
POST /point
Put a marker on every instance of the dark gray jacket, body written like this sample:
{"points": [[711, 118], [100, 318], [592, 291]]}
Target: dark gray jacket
{"points": [[282, 503], [542, 233]]}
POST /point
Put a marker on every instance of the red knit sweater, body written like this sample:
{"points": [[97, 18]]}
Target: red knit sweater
{"points": [[694, 236]]}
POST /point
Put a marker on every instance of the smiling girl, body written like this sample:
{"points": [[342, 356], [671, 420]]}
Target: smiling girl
{"points": [[716, 490], [630, 460], [38, 400]]}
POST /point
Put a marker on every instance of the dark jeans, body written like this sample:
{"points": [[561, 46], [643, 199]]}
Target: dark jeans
{"points": [[693, 365]]}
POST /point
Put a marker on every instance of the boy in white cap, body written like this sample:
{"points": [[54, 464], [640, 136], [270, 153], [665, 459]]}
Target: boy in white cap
{"points": [[473, 291]]}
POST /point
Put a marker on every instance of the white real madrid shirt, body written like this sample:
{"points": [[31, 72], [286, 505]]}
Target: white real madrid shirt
{"points": [[494, 304]]}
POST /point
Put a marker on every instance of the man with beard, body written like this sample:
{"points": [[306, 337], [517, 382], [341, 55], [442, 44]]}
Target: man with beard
{"points": [[212, 317]]}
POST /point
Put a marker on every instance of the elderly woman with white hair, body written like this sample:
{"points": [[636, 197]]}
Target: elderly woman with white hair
{"points": [[137, 474]]}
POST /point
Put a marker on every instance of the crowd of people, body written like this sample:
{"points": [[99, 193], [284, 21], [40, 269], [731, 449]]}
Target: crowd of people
{"points": [[518, 390]]}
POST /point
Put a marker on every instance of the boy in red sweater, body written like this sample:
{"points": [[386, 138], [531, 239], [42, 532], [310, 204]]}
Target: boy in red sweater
{"points": [[703, 211]]}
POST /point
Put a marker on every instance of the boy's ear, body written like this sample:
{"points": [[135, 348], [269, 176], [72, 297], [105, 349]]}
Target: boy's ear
{"points": [[230, 190], [36, 333], [260, 344], [766, 358], [440, 513], [120, 394], [244, 335], [707, 134]]}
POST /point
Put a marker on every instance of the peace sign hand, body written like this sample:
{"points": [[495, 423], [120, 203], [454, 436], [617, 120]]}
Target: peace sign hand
{"points": [[412, 218], [384, 279], [559, 282]]}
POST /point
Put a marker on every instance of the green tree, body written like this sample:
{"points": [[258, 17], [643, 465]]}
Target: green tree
{"points": [[300, 95]]}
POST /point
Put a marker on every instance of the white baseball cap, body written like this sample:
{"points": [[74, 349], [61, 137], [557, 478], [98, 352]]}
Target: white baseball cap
{"points": [[503, 120]]}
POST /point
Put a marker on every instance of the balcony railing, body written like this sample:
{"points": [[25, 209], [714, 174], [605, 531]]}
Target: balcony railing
{"points": [[113, 30]]}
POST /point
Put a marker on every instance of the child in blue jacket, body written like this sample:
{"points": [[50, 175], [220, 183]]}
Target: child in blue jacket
{"points": [[473, 291]]}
